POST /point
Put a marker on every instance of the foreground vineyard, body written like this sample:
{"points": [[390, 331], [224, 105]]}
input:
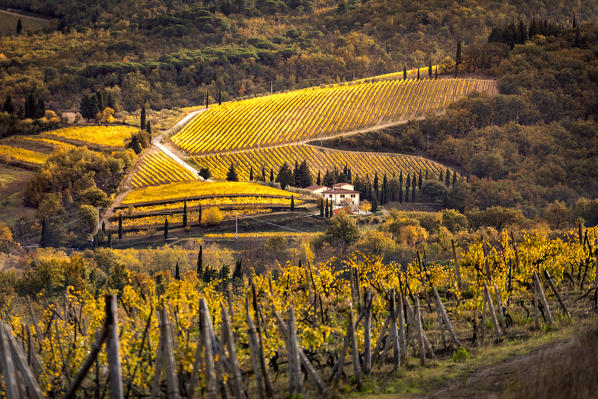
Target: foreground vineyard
{"points": [[158, 168], [313, 317], [319, 160], [317, 112]]}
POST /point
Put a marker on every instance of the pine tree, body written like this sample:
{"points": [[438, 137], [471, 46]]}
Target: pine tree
{"points": [[319, 179], [306, 179], [231, 175], [430, 69], [200, 262], [177, 272], [120, 227], [321, 204], [285, 176], [404, 72], [458, 57], [292, 203], [166, 228], [19, 26], [251, 173], [142, 120], [331, 212], [40, 109], [238, 273], [296, 175], [401, 186], [349, 178], [185, 214], [407, 186], [30, 107], [384, 189]]}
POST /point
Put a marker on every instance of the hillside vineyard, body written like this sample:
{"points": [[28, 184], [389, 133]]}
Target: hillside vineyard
{"points": [[319, 112], [157, 168], [319, 160]]}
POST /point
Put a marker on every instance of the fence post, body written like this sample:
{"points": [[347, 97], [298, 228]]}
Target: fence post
{"points": [[501, 312], [543, 299], [491, 310], [556, 292], [116, 384]]}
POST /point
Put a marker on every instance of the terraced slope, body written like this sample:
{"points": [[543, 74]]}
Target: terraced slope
{"points": [[158, 168], [310, 113]]}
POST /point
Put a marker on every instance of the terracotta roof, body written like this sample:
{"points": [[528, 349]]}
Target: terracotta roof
{"points": [[339, 191], [341, 184], [313, 188]]}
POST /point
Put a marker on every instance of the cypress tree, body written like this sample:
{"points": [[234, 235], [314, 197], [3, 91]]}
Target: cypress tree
{"points": [[447, 178], [120, 227], [413, 186], [292, 203], [219, 97], [263, 173], [296, 180], [185, 214], [350, 178], [420, 181], [251, 174], [331, 213], [19, 26], [166, 228], [109, 244], [436, 73], [321, 201], [417, 73], [376, 182], [374, 204], [326, 209], [426, 178], [404, 72], [40, 108], [440, 176], [384, 189], [30, 107], [44, 236], [148, 127], [271, 175], [200, 262], [401, 186], [454, 178], [103, 226], [142, 118], [458, 58], [199, 214], [177, 272], [430, 69], [319, 179], [407, 185], [207, 100], [8, 106]]}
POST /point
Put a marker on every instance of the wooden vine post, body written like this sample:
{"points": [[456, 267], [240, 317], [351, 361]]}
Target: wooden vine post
{"points": [[293, 355], [394, 334], [206, 338], [420, 331], [367, 329], [557, 294], [229, 338], [542, 297], [354, 350]]}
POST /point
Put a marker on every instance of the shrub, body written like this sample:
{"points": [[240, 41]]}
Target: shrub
{"points": [[211, 216], [460, 355]]}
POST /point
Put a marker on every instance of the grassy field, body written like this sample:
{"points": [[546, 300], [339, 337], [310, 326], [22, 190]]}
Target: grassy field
{"points": [[12, 185], [8, 23]]}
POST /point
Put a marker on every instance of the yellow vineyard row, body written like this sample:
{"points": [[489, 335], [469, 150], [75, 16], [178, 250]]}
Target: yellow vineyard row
{"points": [[317, 112], [106, 136], [12, 154], [319, 160], [158, 168], [182, 190]]}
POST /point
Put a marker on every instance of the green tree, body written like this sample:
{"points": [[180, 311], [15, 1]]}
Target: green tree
{"points": [[404, 72], [19, 26], [142, 118], [319, 179], [185, 214], [342, 231], [251, 173], [430, 69], [285, 176], [434, 191], [413, 187], [177, 272], [200, 262], [8, 106], [458, 59], [166, 228], [374, 204], [120, 227], [231, 175], [271, 175], [148, 127], [326, 209], [292, 203], [321, 204]]}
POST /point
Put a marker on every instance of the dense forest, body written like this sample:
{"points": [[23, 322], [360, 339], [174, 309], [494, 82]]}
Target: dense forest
{"points": [[532, 145], [171, 53]]}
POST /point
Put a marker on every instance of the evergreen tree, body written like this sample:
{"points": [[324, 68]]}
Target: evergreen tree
{"points": [[285, 176], [417, 73], [19, 26], [326, 209], [100, 100], [292, 203], [103, 226], [349, 178], [430, 69], [454, 178], [200, 262], [199, 214], [296, 175], [440, 176], [120, 227], [436, 73], [219, 97], [148, 127], [40, 109], [271, 175], [321, 203], [305, 177], [447, 178], [420, 180], [44, 240], [331, 212], [177, 272], [8, 106], [413, 187], [384, 189], [426, 178], [109, 244], [231, 175], [404, 72], [166, 228], [263, 173], [207, 99], [142, 120], [251, 173], [185, 214], [458, 57], [30, 107], [407, 186], [374, 204], [110, 101], [376, 182], [238, 273], [401, 186], [319, 179]]}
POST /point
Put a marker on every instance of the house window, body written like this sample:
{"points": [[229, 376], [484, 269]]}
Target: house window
{"points": [[329, 195], [342, 195], [352, 195]]}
